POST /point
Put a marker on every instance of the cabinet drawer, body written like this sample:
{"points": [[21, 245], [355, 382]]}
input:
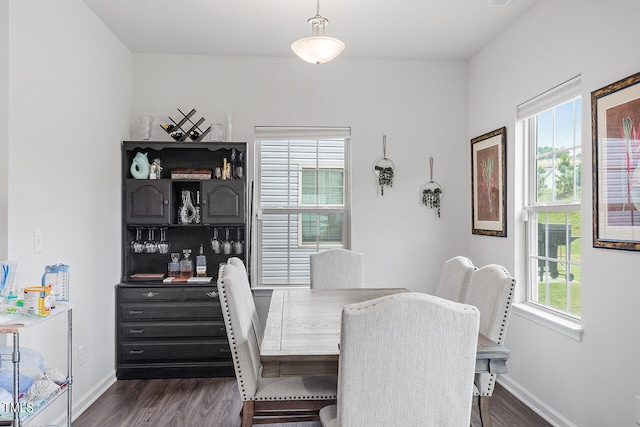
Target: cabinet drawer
{"points": [[209, 293], [150, 294], [173, 351], [177, 311], [142, 330]]}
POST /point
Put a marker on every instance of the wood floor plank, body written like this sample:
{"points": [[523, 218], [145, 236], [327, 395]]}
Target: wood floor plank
{"points": [[215, 402]]}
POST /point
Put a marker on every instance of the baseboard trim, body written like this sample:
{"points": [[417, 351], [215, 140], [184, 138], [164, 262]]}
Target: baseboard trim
{"points": [[93, 394], [86, 400], [550, 415]]}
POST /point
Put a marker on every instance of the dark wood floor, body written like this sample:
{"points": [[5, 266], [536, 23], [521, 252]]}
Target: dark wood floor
{"points": [[215, 402]]}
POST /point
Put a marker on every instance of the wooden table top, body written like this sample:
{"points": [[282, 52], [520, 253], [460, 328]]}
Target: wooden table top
{"points": [[302, 332]]}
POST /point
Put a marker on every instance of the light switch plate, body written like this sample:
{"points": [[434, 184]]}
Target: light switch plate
{"points": [[38, 241]]}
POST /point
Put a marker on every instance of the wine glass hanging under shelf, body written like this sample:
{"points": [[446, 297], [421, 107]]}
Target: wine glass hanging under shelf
{"points": [[176, 132]]}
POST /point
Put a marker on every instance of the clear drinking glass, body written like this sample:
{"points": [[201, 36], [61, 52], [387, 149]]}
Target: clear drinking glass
{"points": [[150, 246], [239, 243], [163, 245], [136, 245], [215, 242], [227, 244]]}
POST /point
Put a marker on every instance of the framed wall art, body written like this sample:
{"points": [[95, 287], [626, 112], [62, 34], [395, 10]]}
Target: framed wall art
{"points": [[615, 126], [489, 184]]}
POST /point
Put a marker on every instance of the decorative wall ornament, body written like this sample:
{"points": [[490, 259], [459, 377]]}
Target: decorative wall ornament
{"points": [[489, 185], [384, 168], [615, 124], [431, 191]]}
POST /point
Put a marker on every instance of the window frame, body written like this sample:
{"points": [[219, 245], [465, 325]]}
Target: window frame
{"points": [[561, 320], [297, 134]]}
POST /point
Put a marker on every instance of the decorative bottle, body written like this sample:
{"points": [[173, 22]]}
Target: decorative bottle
{"points": [[174, 265], [201, 263], [186, 265]]}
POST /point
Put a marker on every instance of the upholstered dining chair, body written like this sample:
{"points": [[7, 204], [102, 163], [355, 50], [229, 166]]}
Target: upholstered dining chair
{"points": [[265, 400], [405, 360], [490, 290], [454, 278], [337, 268]]}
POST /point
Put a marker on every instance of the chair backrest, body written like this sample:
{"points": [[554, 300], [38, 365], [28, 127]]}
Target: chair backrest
{"points": [[239, 311], [337, 268], [255, 320], [454, 278], [407, 360], [491, 290]]}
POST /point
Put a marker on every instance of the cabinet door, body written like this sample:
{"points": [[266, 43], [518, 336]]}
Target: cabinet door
{"points": [[147, 201], [223, 202]]}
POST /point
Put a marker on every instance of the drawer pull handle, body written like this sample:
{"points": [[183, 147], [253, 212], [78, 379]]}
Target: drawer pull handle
{"points": [[136, 311], [150, 294], [136, 351], [212, 294], [225, 350], [136, 331]]}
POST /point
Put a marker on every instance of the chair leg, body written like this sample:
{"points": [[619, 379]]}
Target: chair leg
{"points": [[484, 405], [247, 413]]}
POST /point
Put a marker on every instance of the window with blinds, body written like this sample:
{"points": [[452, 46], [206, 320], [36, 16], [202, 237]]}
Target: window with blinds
{"points": [[302, 199]]}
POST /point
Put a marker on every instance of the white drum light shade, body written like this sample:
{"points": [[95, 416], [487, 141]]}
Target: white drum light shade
{"points": [[318, 49]]}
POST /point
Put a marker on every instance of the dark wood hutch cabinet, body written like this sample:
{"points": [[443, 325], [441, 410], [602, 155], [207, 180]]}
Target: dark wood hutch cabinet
{"points": [[171, 330]]}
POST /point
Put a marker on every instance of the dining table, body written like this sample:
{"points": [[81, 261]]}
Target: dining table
{"points": [[302, 332]]}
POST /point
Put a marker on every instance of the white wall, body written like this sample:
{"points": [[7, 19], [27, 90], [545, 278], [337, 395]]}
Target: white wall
{"points": [[593, 382], [4, 120], [70, 82], [419, 104]]}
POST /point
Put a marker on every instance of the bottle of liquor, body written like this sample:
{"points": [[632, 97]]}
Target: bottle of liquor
{"points": [[174, 265], [186, 265], [201, 263]]}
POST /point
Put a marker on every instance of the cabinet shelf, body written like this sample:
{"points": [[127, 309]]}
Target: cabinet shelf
{"points": [[15, 323]]}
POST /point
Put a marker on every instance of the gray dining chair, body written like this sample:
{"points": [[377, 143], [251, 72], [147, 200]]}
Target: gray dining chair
{"points": [[491, 290], [337, 268], [264, 400], [405, 360], [454, 278]]}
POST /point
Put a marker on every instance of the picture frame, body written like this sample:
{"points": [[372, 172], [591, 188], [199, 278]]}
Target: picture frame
{"points": [[615, 130], [489, 183]]}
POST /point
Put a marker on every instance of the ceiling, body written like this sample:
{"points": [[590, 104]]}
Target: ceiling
{"points": [[389, 29]]}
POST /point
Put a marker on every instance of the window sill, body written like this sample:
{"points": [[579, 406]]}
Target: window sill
{"points": [[267, 290], [570, 328]]}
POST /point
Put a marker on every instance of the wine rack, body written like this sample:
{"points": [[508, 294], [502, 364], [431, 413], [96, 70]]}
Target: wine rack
{"points": [[176, 131]]}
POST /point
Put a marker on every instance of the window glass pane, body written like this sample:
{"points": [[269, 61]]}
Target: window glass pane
{"points": [[283, 260], [575, 277], [574, 236], [544, 181], [322, 187], [564, 126], [565, 176], [322, 228], [544, 132]]}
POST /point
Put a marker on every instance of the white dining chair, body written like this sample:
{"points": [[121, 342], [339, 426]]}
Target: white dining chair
{"points": [[265, 400], [454, 278], [491, 290], [405, 360], [337, 268]]}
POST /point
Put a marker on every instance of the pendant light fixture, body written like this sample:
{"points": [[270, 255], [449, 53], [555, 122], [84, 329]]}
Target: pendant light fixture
{"points": [[318, 48]]}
